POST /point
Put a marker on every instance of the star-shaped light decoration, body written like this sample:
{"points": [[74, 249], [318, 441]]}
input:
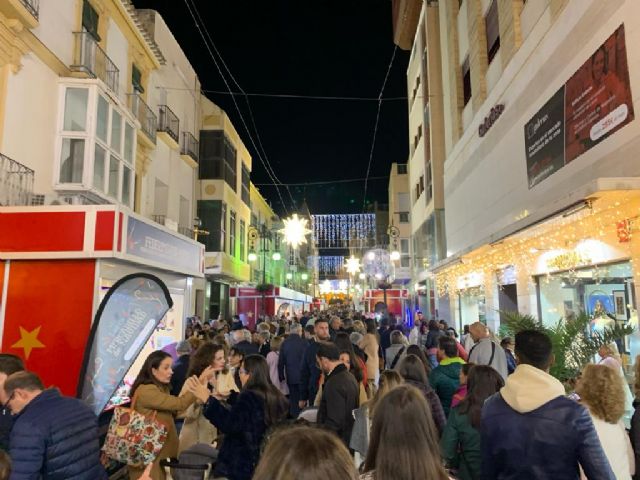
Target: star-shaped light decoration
{"points": [[352, 265], [295, 231], [28, 341]]}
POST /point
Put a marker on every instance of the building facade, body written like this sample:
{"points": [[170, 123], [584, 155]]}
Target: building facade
{"points": [[540, 178], [400, 221]]}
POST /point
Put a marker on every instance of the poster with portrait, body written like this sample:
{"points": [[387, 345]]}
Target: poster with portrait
{"points": [[592, 105]]}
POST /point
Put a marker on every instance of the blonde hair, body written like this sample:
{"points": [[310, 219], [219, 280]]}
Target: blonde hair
{"points": [[602, 391], [612, 351], [359, 327], [389, 379], [276, 343]]}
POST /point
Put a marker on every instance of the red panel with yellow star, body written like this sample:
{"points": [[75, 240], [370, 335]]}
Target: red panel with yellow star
{"points": [[48, 316]]}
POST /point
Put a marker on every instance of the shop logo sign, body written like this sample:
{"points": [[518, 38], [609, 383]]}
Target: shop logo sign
{"points": [[490, 119]]}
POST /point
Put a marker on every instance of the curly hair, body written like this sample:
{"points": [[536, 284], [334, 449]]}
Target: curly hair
{"points": [[602, 391]]}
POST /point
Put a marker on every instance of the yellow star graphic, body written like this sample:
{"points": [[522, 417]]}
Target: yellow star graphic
{"points": [[28, 341]]}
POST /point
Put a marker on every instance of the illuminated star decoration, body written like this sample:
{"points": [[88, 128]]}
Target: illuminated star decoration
{"points": [[352, 265], [295, 231], [28, 341]]}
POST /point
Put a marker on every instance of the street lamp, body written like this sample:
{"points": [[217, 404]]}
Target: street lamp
{"points": [[276, 256], [304, 276], [252, 257]]}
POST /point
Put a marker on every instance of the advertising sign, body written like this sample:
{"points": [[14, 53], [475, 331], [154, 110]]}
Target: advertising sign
{"points": [[151, 243], [128, 315], [592, 105]]}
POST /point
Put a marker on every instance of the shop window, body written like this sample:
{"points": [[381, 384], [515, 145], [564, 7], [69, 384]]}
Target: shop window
{"points": [[493, 31], [136, 79], [90, 20], [232, 233], [466, 81], [404, 217], [72, 160]]}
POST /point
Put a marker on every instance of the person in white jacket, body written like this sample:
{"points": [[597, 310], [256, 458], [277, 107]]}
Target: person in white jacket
{"points": [[601, 390]]}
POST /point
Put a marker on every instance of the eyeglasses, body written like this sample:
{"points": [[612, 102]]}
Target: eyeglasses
{"points": [[7, 405]]}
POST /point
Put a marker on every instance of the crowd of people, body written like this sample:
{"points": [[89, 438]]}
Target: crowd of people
{"points": [[338, 394]]}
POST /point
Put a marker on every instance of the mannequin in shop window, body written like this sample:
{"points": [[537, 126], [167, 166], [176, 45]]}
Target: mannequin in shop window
{"points": [[601, 319]]}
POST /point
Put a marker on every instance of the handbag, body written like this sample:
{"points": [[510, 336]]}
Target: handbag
{"points": [[133, 438]]}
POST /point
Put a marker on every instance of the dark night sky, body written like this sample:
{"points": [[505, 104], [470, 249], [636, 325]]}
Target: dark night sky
{"points": [[321, 47]]}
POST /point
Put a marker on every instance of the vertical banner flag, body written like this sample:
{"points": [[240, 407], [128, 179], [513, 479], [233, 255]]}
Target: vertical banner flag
{"points": [[128, 315], [592, 105]]}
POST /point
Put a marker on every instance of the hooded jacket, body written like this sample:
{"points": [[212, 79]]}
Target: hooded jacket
{"points": [[445, 380], [531, 431]]}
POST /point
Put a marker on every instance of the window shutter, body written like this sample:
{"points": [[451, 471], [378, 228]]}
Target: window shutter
{"points": [[90, 20]]}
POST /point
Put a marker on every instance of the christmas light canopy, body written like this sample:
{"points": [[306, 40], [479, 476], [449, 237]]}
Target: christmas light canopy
{"points": [[295, 231], [352, 265]]}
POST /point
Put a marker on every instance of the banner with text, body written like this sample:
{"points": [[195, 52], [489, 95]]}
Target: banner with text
{"points": [[593, 104], [128, 315]]}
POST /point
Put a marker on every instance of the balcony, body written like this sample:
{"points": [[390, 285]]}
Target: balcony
{"points": [[26, 11], [146, 117], [16, 183], [189, 149], [169, 127], [89, 58]]}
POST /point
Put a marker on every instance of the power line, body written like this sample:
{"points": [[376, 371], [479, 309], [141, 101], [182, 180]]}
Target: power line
{"points": [[375, 129], [215, 61], [326, 182], [267, 162]]}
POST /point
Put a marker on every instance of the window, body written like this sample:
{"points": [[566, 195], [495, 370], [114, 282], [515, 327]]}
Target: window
{"points": [[245, 185], [99, 163], [466, 81], [72, 160], [242, 240], [136, 79], [102, 127], [254, 220], [405, 261], [217, 158], [223, 228], [75, 110], [429, 181], [114, 176], [493, 31], [232, 233], [116, 132], [402, 169], [416, 89], [210, 212], [90, 20], [126, 185], [404, 246], [418, 137], [404, 217]]}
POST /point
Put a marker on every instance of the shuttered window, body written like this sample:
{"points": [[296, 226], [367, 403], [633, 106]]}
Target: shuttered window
{"points": [[136, 79], [493, 31], [90, 20]]}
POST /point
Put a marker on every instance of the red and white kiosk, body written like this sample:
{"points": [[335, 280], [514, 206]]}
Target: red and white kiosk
{"points": [[397, 300], [56, 264], [277, 301]]}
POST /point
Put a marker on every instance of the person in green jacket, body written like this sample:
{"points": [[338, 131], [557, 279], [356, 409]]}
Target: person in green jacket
{"points": [[445, 378], [460, 442]]}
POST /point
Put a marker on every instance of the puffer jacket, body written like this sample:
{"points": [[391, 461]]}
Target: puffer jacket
{"points": [[434, 402], [445, 380], [531, 431], [55, 438]]}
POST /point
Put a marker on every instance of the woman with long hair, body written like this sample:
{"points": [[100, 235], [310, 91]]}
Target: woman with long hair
{"points": [[354, 363], [460, 443], [412, 371], [359, 442], [418, 351], [404, 439], [258, 407], [236, 356], [601, 390], [198, 429], [150, 396], [610, 356], [370, 345], [305, 453]]}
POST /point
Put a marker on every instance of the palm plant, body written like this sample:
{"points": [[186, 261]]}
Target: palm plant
{"points": [[574, 344]]}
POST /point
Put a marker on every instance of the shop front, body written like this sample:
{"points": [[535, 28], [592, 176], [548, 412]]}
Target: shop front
{"points": [[58, 262], [251, 303]]}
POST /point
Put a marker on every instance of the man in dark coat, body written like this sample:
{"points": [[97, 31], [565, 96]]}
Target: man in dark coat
{"points": [[242, 341], [289, 361], [340, 393], [531, 431], [9, 364], [310, 373], [53, 437], [180, 367]]}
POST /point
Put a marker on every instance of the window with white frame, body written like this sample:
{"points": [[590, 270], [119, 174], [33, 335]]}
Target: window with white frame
{"points": [[97, 145], [232, 233]]}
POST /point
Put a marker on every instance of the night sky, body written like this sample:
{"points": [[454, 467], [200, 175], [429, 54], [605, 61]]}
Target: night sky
{"points": [[324, 48]]}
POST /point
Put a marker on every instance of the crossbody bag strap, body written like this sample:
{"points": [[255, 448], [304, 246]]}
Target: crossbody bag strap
{"points": [[396, 358], [493, 352]]}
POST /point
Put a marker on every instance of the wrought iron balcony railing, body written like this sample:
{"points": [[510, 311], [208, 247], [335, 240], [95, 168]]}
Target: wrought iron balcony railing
{"points": [[33, 6], [144, 114], [90, 58], [190, 146], [16, 182], [169, 123]]}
